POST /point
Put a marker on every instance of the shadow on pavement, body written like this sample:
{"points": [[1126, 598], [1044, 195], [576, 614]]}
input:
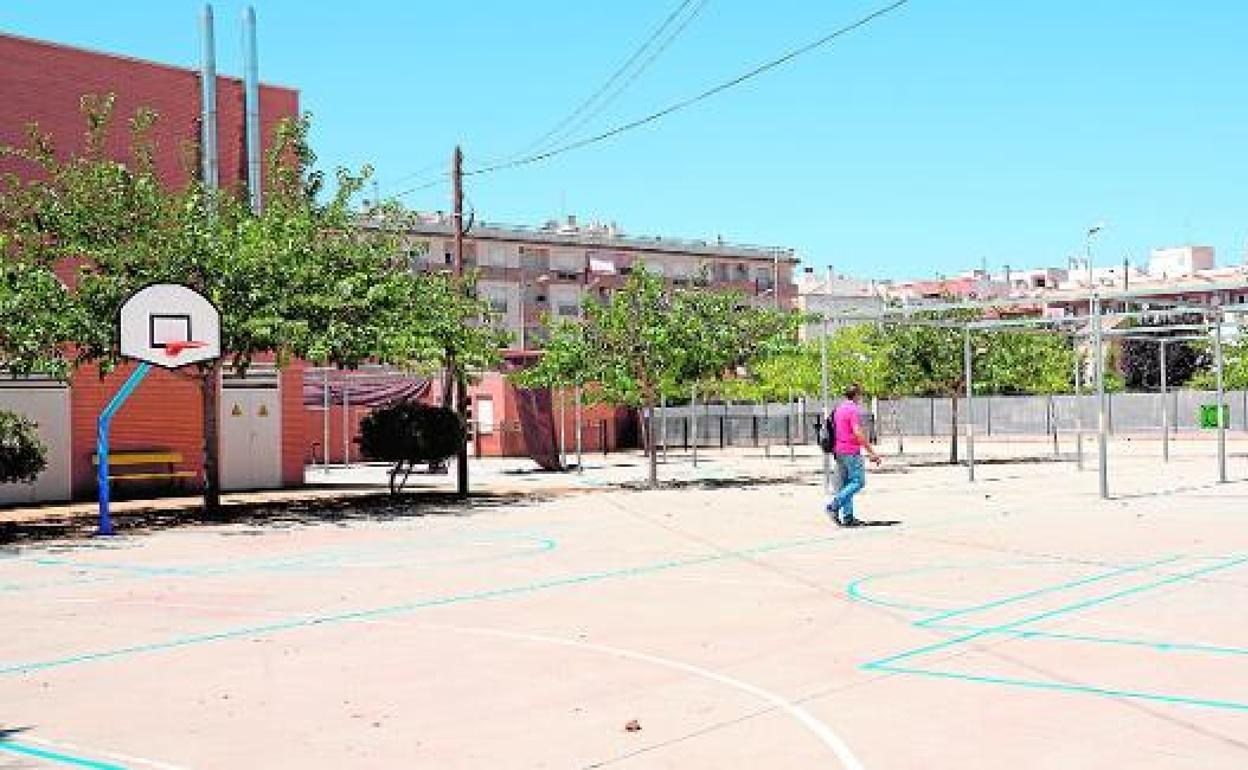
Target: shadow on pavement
{"points": [[378, 507]]}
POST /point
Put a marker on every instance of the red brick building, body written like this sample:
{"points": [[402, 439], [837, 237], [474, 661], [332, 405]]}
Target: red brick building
{"points": [[44, 83]]}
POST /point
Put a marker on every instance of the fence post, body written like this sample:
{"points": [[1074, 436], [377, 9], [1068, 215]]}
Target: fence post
{"points": [[931, 405], [754, 427], [602, 436], [722, 422], [767, 431], [663, 431], [1052, 418], [988, 412]]}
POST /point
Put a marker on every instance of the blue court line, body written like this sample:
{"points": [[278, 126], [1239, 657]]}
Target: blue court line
{"points": [[1065, 586], [396, 609], [142, 570], [1013, 629], [333, 554], [855, 588], [1095, 601], [324, 560], [56, 756], [1039, 684], [9, 669], [1155, 644]]}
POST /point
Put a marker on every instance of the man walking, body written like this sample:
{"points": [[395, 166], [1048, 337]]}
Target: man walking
{"points": [[849, 442]]}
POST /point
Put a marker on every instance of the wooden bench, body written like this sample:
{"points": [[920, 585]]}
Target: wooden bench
{"points": [[137, 460]]}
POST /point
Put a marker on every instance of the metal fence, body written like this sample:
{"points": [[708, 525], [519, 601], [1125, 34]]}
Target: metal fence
{"points": [[724, 425]]}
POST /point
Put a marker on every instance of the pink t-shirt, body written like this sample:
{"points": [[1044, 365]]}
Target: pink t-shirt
{"points": [[845, 419]]}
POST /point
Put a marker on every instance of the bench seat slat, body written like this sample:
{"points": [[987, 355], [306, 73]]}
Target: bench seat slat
{"points": [[172, 475], [140, 458]]}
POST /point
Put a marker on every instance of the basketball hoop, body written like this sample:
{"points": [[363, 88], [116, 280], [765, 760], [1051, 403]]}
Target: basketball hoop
{"points": [[170, 326], [174, 349]]}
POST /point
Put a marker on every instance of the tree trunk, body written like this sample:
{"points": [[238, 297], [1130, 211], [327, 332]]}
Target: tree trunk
{"points": [[953, 430], [461, 460], [210, 396], [448, 381], [652, 460]]}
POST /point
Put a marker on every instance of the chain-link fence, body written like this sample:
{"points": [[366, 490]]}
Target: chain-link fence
{"points": [[766, 425]]}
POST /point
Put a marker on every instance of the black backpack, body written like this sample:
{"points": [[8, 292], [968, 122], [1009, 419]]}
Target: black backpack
{"points": [[827, 434]]}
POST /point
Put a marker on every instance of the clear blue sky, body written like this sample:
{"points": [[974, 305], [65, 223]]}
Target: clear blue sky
{"points": [[951, 132]]}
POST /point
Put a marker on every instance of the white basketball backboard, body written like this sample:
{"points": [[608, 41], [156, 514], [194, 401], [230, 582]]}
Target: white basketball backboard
{"points": [[170, 325]]}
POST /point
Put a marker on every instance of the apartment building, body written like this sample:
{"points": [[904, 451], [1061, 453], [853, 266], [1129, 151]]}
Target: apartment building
{"points": [[832, 296], [527, 273], [1184, 274]]}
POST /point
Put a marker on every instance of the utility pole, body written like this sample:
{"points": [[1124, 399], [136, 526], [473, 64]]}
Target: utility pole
{"points": [[775, 280], [461, 382]]}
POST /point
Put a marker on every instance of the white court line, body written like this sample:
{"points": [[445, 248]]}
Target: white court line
{"points": [[156, 603], [822, 731], [105, 754]]}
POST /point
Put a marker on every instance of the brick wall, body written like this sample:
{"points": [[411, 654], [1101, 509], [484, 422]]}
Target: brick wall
{"points": [[294, 424], [164, 413], [45, 82]]}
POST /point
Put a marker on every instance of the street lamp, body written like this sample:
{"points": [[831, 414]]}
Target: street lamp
{"points": [[1087, 248]]}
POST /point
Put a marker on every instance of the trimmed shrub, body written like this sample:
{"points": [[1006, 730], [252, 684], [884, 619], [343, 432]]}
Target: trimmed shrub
{"points": [[413, 432], [22, 455]]}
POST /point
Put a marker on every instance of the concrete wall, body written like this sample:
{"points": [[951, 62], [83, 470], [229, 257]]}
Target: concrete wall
{"points": [[46, 403]]}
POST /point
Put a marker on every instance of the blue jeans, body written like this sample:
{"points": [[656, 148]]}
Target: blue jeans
{"points": [[853, 477]]}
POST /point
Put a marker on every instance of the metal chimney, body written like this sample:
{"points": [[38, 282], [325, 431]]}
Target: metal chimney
{"points": [[251, 97], [208, 96]]}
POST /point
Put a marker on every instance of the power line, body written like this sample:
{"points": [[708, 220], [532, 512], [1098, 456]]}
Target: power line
{"points": [[632, 78], [441, 179], [423, 170], [557, 131], [692, 100], [617, 74]]}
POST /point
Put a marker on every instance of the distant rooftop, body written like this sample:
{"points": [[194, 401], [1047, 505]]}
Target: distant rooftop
{"points": [[569, 232]]}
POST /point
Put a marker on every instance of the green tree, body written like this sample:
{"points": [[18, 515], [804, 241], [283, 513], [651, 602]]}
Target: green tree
{"points": [[37, 317], [1234, 364], [1022, 363], [649, 338], [299, 279], [928, 359], [855, 353], [22, 455]]}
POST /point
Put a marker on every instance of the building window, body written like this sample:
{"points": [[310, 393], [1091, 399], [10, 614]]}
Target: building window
{"points": [[498, 305], [568, 310]]}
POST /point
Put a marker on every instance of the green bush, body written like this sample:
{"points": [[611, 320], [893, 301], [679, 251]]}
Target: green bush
{"points": [[413, 432], [22, 455]]}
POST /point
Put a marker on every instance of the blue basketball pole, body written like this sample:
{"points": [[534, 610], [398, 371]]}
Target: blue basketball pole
{"points": [[105, 422]]}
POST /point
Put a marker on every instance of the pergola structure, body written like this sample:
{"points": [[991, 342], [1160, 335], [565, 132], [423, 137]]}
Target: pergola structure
{"points": [[1093, 328]]}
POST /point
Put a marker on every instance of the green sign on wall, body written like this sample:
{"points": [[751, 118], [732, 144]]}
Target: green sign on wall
{"points": [[1209, 416]]}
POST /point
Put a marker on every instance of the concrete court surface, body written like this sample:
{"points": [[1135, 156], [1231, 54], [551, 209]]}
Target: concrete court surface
{"points": [[1017, 623]]}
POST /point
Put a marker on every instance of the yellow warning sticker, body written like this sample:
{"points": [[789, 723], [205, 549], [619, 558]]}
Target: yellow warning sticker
{"points": [[264, 411], [237, 411]]}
